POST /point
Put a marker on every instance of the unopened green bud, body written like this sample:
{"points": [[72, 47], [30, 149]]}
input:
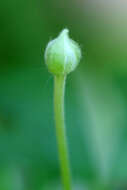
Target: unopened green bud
{"points": [[62, 54]]}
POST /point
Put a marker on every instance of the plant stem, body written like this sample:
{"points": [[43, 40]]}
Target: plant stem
{"points": [[59, 88]]}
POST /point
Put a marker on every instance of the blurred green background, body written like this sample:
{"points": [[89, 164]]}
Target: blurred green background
{"points": [[95, 101]]}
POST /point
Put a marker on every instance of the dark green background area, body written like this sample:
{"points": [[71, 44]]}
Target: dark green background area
{"points": [[95, 100]]}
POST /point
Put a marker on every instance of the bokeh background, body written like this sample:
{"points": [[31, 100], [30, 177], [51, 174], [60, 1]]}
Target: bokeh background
{"points": [[95, 101]]}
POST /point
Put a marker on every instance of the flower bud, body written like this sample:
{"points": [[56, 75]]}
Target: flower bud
{"points": [[62, 54]]}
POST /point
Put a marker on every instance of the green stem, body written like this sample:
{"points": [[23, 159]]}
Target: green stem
{"points": [[60, 130]]}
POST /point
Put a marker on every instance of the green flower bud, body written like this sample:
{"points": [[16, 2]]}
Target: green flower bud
{"points": [[62, 54]]}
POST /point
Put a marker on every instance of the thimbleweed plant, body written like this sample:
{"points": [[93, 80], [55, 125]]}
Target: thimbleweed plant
{"points": [[62, 56]]}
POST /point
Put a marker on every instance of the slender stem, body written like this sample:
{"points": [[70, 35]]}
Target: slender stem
{"points": [[59, 87]]}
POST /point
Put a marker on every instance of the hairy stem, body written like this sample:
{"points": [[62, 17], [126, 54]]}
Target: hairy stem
{"points": [[59, 88]]}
